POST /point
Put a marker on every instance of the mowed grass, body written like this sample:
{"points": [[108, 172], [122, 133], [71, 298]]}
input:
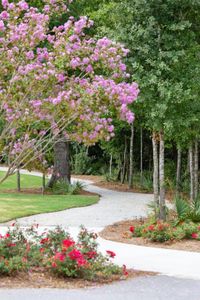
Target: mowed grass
{"points": [[17, 205], [13, 206], [27, 182]]}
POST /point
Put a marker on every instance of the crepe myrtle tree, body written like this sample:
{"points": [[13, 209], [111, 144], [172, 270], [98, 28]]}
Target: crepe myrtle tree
{"points": [[56, 85]]}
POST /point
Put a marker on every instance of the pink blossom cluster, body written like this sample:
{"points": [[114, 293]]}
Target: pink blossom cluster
{"points": [[73, 85]]}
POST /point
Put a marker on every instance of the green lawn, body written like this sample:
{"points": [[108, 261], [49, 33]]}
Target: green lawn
{"points": [[13, 205], [27, 181]]}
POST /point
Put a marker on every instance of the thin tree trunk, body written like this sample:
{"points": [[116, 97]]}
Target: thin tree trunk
{"points": [[191, 161], [61, 170], [18, 180], [43, 182], [196, 169], [155, 170], [178, 170], [130, 182], [124, 162], [110, 165], [162, 177], [141, 156]]}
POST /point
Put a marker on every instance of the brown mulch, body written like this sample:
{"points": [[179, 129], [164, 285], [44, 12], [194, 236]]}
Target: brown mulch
{"points": [[38, 191], [119, 232], [39, 279]]}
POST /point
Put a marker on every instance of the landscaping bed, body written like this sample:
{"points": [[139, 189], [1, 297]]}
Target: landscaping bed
{"points": [[54, 260], [120, 232]]}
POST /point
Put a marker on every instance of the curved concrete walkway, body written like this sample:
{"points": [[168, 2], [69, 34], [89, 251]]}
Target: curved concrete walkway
{"points": [[116, 206]]}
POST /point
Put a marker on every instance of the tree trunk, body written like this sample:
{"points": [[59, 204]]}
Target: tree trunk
{"points": [[155, 170], [130, 182], [124, 162], [191, 161], [178, 170], [162, 177], [196, 169], [43, 183], [18, 180], [110, 166], [141, 156], [61, 170]]}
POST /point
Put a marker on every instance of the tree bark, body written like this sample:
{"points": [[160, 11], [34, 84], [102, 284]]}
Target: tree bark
{"points": [[110, 165], [18, 180], [61, 170], [191, 161], [196, 169], [155, 170], [162, 177], [130, 182], [124, 162], [141, 156], [178, 170]]}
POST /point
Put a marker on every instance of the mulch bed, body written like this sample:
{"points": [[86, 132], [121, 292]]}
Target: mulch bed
{"points": [[119, 232], [38, 191], [39, 279]]}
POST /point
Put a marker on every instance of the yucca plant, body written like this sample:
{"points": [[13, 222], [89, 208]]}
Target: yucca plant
{"points": [[182, 208], [186, 210], [194, 213]]}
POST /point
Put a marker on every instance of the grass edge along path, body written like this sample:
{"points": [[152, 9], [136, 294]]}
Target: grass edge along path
{"points": [[13, 206]]}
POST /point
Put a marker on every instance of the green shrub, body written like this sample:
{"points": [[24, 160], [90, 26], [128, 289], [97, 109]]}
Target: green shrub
{"points": [[56, 252], [163, 231], [63, 188]]}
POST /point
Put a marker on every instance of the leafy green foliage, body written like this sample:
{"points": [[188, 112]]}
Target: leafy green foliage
{"points": [[62, 187]]}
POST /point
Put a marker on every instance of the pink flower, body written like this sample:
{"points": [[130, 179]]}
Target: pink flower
{"points": [[59, 256], [4, 3], [23, 5], [54, 265], [4, 15], [194, 235], [111, 253], [2, 26], [81, 262]]}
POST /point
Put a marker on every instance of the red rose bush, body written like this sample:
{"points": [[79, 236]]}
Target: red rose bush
{"points": [[56, 252]]}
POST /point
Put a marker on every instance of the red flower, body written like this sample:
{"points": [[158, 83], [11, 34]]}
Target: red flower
{"points": [[67, 243], [11, 245], [81, 262], [13, 224], [7, 235], [54, 265], [44, 241], [75, 254], [132, 229], [125, 272], [111, 253], [59, 256], [151, 227], [194, 235], [91, 254], [42, 250]]}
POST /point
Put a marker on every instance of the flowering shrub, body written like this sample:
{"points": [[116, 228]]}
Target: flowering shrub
{"points": [[56, 252], [163, 231], [57, 81]]}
